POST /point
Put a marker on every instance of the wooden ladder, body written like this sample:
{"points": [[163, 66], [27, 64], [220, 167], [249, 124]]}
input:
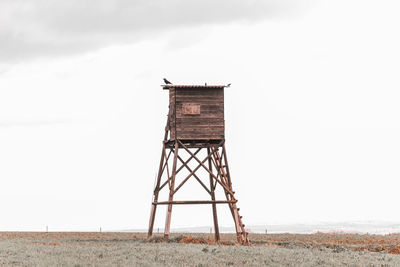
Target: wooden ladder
{"points": [[223, 172]]}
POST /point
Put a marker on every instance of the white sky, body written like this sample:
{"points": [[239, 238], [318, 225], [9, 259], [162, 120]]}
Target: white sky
{"points": [[312, 119]]}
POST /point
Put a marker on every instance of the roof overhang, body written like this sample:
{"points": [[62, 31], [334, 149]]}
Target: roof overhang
{"points": [[174, 86]]}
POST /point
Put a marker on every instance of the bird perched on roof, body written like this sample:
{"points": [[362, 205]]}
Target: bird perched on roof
{"points": [[166, 81], [229, 84]]}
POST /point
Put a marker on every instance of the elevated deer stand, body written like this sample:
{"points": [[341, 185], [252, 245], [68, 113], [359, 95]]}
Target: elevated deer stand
{"points": [[196, 123]]}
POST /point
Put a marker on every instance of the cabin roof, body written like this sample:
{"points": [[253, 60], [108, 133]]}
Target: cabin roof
{"points": [[174, 86]]}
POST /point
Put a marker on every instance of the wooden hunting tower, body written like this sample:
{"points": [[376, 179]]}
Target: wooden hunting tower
{"points": [[195, 123]]}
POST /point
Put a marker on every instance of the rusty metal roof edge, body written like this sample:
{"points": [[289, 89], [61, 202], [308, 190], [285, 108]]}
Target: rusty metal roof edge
{"points": [[168, 86]]}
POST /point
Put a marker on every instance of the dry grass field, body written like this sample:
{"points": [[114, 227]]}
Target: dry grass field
{"points": [[133, 249]]}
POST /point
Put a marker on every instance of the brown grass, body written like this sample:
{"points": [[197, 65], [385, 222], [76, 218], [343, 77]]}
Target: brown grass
{"points": [[134, 249]]}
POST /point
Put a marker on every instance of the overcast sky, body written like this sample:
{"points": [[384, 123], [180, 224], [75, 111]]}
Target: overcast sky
{"points": [[312, 117]]}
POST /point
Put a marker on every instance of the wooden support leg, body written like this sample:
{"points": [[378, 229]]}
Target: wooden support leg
{"points": [[214, 206], [171, 193], [156, 191]]}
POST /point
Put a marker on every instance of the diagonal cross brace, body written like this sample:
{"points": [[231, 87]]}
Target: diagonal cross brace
{"points": [[187, 161], [192, 173], [227, 189], [178, 170]]}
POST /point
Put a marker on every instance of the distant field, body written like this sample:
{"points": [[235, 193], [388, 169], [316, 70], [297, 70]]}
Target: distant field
{"points": [[133, 249]]}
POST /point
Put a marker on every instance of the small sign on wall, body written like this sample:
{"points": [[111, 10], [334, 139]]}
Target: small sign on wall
{"points": [[191, 109]]}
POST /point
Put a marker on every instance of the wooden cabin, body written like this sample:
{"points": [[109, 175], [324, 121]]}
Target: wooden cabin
{"points": [[196, 112]]}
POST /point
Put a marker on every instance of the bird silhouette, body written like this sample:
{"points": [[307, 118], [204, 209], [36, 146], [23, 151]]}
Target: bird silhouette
{"points": [[228, 85], [166, 81]]}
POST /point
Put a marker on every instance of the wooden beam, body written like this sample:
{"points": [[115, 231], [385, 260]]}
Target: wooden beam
{"points": [[155, 194], [166, 165], [208, 170], [171, 194], [214, 207], [192, 173], [193, 202], [187, 161]]}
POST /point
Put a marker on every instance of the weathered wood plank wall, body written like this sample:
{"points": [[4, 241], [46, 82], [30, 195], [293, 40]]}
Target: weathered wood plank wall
{"points": [[209, 124]]}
